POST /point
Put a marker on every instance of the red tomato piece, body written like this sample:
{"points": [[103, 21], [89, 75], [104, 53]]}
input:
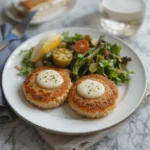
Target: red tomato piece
{"points": [[81, 46]]}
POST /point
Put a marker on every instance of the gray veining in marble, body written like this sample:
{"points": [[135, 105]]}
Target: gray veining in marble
{"points": [[134, 134]]}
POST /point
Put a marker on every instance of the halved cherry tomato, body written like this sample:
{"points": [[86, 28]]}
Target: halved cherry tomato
{"points": [[81, 46]]}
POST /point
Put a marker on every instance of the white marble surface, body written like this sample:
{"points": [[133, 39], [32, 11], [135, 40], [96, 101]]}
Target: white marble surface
{"points": [[134, 134]]}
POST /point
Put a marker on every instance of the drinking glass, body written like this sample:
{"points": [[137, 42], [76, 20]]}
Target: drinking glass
{"points": [[122, 17]]}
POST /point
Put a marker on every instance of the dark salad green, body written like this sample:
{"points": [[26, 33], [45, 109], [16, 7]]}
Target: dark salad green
{"points": [[103, 58]]}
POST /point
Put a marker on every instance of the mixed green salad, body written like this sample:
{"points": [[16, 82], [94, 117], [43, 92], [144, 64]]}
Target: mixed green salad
{"points": [[82, 55]]}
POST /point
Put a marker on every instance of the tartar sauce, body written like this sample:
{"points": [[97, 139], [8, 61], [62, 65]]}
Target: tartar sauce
{"points": [[49, 79], [90, 89]]}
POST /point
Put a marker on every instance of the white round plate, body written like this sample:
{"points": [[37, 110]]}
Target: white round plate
{"points": [[64, 119], [11, 12]]}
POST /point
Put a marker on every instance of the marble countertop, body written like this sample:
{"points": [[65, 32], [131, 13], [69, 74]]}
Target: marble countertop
{"points": [[134, 134]]}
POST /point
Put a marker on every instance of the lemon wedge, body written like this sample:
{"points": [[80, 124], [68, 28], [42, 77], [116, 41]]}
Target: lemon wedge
{"points": [[44, 46]]}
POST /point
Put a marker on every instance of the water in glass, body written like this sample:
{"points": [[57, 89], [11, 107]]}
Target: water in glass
{"points": [[121, 17]]}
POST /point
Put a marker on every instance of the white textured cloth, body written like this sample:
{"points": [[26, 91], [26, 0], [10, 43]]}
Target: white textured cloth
{"points": [[80, 142]]}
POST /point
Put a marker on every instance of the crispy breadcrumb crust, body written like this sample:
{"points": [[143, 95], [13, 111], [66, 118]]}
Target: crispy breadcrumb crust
{"points": [[46, 98], [94, 107]]}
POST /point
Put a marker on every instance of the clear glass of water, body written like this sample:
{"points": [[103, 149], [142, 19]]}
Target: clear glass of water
{"points": [[122, 17]]}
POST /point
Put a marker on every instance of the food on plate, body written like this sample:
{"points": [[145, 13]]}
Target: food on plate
{"points": [[62, 57], [44, 7], [22, 7], [81, 46], [80, 54], [29, 4], [45, 45], [47, 86], [93, 96], [93, 64]]}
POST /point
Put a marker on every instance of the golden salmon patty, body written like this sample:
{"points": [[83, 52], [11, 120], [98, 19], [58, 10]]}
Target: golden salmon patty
{"points": [[94, 107], [46, 97]]}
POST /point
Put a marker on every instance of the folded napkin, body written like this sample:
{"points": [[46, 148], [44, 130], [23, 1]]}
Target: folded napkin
{"points": [[81, 142], [6, 114]]}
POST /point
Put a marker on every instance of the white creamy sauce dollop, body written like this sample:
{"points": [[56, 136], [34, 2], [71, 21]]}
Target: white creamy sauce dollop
{"points": [[90, 89], [49, 79]]}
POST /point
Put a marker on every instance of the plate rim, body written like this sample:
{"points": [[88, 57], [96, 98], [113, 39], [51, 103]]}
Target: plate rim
{"points": [[94, 130], [36, 22]]}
